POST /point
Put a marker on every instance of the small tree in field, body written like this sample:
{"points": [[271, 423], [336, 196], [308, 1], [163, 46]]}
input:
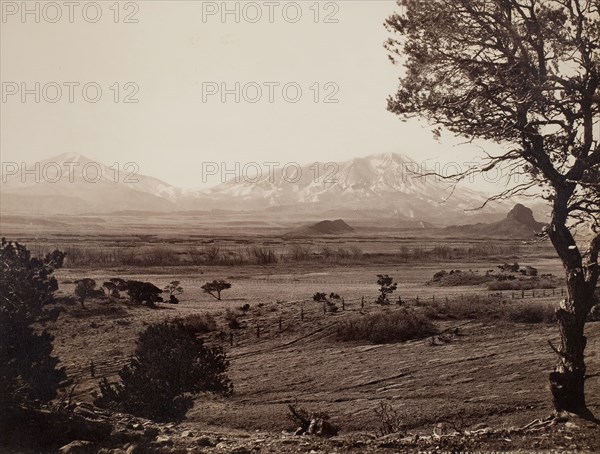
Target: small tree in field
{"points": [[526, 76], [169, 363], [387, 286], [84, 289], [215, 288], [320, 297], [144, 293], [121, 284], [173, 289], [111, 290], [114, 286]]}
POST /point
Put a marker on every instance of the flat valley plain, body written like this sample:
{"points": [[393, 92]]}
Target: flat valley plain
{"points": [[491, 372]]}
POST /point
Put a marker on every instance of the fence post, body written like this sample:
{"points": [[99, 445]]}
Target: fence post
{"points": [[257, 331], [362, 303], [343, 304], [302, 312]]}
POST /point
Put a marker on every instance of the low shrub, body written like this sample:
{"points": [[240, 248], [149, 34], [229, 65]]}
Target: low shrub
{"points": [[455, 278], [312, 423], [512, 268], [528, 279], [544, 282], [234, 324], [320, 297], [529, 271], [86, 288], [531, 313], [200, 323], [232, 320], [386, 327], [465, 307], [476, 307], [331, 307], [144, 293], [390, 419]]}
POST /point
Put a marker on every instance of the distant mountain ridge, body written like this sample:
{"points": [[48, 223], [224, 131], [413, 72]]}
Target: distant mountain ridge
{"points": [[382, 185], [82, 186], [380, 181]]}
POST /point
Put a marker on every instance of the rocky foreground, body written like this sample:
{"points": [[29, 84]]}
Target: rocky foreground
{"points": [[98, 431]]}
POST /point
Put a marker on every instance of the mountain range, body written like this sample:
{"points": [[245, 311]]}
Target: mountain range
{"points": [[379, 186]]}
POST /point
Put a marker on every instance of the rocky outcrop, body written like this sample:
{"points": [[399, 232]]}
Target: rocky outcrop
{"points": [[337, 227], [519, 223]]}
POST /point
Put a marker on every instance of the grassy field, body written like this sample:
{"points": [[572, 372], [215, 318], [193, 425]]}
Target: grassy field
{"points": [[489, 365]]}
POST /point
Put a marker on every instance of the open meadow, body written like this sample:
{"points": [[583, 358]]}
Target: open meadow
{"points": [[479, 358]]}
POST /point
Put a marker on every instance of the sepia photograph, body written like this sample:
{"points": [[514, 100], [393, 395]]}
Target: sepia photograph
{"points": [[311, 226]]}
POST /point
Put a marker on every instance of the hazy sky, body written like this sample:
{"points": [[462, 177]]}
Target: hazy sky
{"points": [[173, 51]]}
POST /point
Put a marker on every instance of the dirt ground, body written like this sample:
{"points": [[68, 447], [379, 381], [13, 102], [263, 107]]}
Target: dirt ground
{"points": [[494, 373]]}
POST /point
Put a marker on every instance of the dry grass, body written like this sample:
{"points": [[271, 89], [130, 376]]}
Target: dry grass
{"points": [[495, 371], [463, 307], [456, 278], [147, 244], [475, 307], [524, 284], [201, 323], [531, 313], [386, 327]]}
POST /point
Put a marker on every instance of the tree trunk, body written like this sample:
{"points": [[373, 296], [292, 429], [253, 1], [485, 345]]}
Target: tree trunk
{"points": [[567, 381]]}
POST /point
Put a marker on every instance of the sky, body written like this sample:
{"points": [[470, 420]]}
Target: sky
{"points": [[163, 66]]}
